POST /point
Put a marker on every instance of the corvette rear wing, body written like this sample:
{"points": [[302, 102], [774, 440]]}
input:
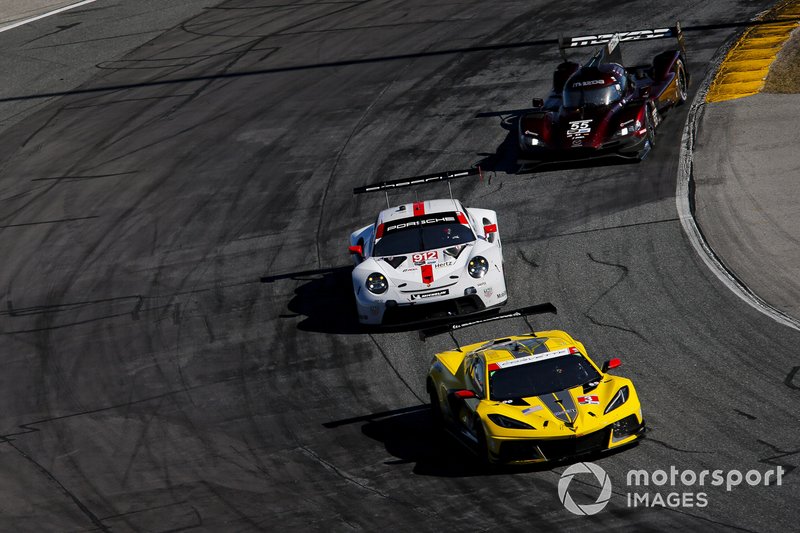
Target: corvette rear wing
{"points": [[611, 40], [522, 312]]}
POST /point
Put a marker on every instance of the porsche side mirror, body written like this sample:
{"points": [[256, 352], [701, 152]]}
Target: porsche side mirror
{"points": [[611, 363], [464, 394], [357, 249], [490, 231], [537, 102]]}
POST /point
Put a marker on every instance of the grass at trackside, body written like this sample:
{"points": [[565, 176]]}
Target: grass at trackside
{"points": [[784, 74]]}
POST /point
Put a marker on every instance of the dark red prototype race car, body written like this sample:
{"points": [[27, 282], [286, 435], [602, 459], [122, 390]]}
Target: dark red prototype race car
{"points": [[603, 108]]}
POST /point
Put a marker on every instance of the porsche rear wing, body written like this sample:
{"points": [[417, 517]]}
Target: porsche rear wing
{"points": [[386, 186], [418, 180], [522, 312], [612, 40]]}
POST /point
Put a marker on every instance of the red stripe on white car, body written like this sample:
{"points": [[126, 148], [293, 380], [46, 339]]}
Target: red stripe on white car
{"points": [[419, 209], [427, 273], [462, 219], [379, 231]]}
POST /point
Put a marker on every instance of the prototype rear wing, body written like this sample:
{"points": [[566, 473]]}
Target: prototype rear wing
{"points": [[612, 40], [418, 180], [466, 322]]}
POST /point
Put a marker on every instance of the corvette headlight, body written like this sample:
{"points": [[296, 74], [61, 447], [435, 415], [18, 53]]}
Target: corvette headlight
{"points": [[478, 266], [509, 423], [619, 398], [377, 283]]}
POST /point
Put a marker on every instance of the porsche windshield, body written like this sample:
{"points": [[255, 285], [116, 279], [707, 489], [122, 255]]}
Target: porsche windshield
{"points": [[411, 237], [592, 95], [541, 377]]}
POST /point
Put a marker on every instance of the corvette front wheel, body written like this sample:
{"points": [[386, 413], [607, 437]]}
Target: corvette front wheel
{"points": [[481, 447]]}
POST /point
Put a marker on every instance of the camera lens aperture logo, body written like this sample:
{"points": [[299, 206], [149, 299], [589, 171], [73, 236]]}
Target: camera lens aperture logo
{"points": [[590, 508]]}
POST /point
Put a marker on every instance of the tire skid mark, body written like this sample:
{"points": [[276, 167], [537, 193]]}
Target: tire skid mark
{"points": [[49, 475], [623, 275], [773, 459]]}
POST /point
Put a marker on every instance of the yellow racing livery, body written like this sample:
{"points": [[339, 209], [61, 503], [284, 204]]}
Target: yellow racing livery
{"points": [[533, 398]]}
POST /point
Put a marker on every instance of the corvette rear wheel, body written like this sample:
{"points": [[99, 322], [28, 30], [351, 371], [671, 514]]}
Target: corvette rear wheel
{"points": [[436, 408], [680, 74]]}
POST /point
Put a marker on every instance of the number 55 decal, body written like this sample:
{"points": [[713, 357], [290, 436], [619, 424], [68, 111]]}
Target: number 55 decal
{"points": [[579, 128]]}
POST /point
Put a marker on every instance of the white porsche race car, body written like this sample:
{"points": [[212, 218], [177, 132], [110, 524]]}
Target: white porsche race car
{"points": [[437, 254]]}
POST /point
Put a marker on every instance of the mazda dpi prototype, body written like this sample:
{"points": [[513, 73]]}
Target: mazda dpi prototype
{"points": [[602, 107], [532, 398], [435, 256]]}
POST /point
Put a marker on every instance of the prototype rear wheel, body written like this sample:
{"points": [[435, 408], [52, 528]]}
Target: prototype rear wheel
{"points": [[681, 82]]}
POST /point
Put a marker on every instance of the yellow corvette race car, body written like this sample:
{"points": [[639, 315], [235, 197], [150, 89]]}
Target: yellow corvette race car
{"points": [[531, 398]]}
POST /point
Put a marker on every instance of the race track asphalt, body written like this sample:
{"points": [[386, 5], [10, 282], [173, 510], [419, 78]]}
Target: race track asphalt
{"points": [[178, 341]]}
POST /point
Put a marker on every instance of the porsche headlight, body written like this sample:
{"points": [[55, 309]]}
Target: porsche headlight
{"points": [[377, 283], [619, 398], [509, 423], [478, 266]]}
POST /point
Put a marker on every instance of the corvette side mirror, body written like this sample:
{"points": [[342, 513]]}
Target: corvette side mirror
{"points": [[464, 394], [357, 249], [611, 363], [537, 102]]}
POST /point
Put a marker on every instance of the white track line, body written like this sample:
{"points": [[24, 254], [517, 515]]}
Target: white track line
{"points": [[43, 15], [684, 197]]}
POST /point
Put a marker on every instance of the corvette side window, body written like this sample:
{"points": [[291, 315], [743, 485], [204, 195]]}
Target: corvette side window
{"points": [[477, 377]]}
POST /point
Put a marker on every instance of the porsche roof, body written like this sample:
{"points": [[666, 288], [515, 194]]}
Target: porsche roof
{"points": [[418, 209]]}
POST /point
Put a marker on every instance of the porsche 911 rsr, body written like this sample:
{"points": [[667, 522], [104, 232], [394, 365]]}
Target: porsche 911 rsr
{"points": [[533, 398], [435, 255]]}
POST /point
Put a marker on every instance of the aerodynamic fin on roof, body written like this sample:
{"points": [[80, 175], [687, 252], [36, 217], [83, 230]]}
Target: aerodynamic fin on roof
{"points": [[522, 312]]}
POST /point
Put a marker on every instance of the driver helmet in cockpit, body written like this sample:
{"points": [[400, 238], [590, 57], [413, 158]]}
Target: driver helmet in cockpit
{"points": [[602, 85]]}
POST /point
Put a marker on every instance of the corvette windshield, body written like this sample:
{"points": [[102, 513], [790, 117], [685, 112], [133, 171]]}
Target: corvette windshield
{"points": [[583, 96], [419, 238], [541, 377]]}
